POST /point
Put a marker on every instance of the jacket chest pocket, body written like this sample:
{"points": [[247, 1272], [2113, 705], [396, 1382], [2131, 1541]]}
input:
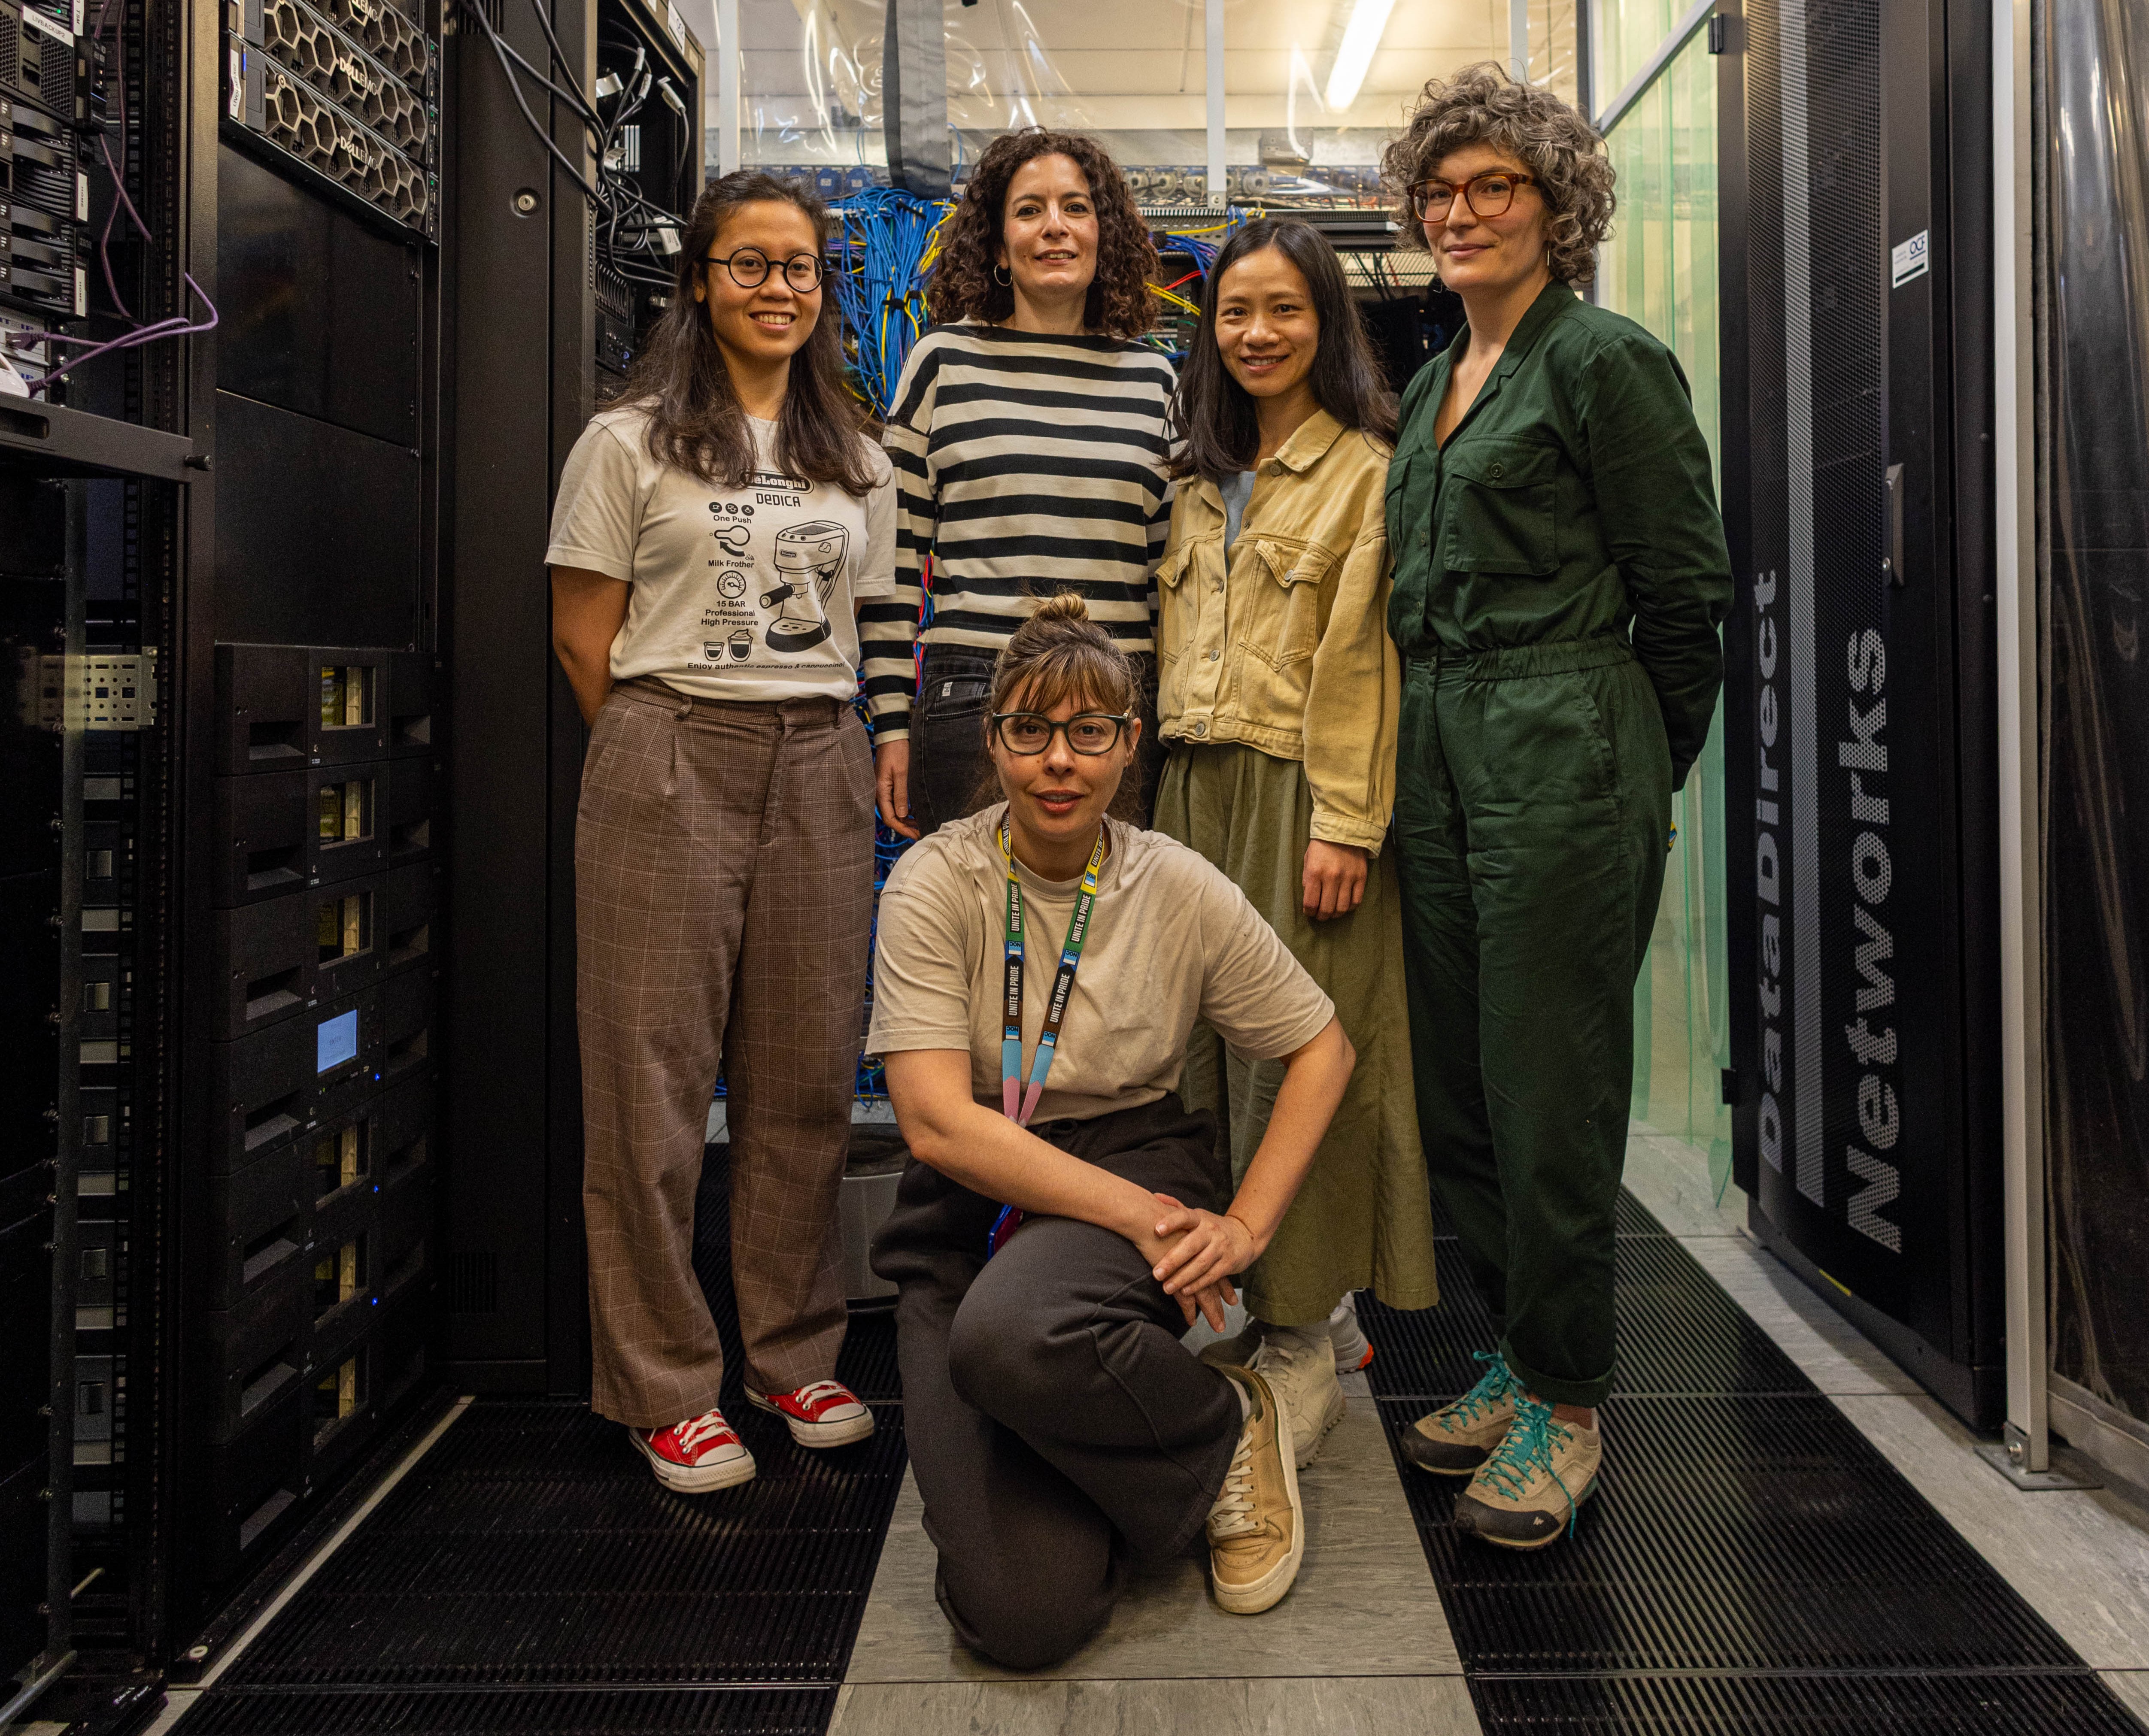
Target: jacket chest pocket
{"points": [[1279, 589], [1186, 572], [1499, 507]]}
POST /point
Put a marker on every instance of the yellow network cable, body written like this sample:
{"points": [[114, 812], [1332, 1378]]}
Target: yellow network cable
{"points": [[1176, 301]]}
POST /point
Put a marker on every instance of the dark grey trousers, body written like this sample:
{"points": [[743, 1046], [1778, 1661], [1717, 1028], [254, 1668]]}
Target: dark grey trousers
{"points": [[1056, 1424]]}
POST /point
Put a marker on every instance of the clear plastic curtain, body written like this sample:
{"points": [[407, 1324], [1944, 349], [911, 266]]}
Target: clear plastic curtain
{"points": [[1660, 270]]}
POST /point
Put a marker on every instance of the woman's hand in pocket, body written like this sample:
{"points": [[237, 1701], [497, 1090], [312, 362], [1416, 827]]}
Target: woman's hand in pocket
{"points": [[1335, 879], [891, 779]]}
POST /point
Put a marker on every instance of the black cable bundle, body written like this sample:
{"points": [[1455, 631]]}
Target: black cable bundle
{"points": [[635, 237]]}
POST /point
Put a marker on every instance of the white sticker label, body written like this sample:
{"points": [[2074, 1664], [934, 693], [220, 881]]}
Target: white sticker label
{"points": [[677, 25], [81, 293], [78, 17], [81, 197], [235, 105], [1911, 258], [38, 21]]}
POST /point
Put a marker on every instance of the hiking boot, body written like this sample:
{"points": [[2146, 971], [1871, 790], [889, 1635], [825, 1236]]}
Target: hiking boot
{"points": [[694, 1457], [1295, 1362], [1257, 1527], [1458, 1438], [822, 1413], [1528, 1492], [1352, 1350]]}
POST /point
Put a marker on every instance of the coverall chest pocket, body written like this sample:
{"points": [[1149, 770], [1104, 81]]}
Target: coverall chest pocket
{"points": [[1499, 507], [1278, 587]]}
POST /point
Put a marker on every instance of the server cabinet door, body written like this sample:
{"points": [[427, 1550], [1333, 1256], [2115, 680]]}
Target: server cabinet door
{"points": [[1856, 1005]]}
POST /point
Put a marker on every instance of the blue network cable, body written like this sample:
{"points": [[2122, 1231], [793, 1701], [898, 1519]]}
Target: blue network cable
{"points": [[884, 248]]}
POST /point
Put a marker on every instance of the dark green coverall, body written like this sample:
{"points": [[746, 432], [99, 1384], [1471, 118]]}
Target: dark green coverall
{"points": [[1560, 575]]}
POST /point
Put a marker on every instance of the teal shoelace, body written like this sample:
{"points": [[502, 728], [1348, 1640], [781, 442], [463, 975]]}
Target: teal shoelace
{"points": [[1527, 1450], [1493, 1385]]}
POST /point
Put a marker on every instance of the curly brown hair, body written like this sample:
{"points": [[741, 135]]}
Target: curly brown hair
{"points": [[964, 287], [1482, 105]]}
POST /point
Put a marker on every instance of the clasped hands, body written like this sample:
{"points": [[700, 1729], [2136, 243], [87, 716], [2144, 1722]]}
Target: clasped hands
{"points": [[1194, 1254]]}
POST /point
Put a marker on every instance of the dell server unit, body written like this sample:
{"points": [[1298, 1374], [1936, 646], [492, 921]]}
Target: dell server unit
{"points": [[44, 209], [348, 93]]}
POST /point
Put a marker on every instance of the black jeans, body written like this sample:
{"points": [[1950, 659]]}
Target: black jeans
{"points": [[951, 774], [1056, 1424]]}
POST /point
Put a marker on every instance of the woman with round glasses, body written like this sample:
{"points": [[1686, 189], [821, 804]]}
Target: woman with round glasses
{"points": [[1278, 696], [1029, 439], [717, 528], [1560, 574], [1041, 967]]}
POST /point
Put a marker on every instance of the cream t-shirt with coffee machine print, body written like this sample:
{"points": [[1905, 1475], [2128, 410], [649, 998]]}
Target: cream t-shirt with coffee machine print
{"points": [[738, 593]]}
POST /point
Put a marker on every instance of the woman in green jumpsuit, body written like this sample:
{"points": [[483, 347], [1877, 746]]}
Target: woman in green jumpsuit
{"points": [[1560, 575]]}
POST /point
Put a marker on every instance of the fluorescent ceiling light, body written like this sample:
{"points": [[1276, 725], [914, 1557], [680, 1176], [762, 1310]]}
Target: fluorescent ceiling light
{"points": [[1361, 37]]}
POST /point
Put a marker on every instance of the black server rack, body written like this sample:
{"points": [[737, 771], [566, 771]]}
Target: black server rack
{"points": [[548, 316], [1859, 698], [312, 1119]]}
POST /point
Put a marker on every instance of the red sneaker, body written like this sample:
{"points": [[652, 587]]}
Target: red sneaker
{"points": [[822, 1413], [696, 1456]]}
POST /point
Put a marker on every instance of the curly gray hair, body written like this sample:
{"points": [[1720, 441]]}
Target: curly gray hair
{"points": [[1483, 104]]}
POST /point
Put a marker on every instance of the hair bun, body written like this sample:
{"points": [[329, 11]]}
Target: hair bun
{"points": [[1063, 605]]}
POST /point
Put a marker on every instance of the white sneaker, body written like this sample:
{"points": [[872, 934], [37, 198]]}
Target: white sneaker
{"points": [[1353, 1351], [1348, 1340], [1297, 1363]]}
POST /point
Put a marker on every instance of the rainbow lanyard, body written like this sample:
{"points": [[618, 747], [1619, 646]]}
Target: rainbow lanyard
{"points": [[1063, 986], [1019, 1105]]}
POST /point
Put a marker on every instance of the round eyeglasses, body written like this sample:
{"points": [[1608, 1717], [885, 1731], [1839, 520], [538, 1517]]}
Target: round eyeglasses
{"points": [[1088, 733], [1488, 194], [749, 269]]}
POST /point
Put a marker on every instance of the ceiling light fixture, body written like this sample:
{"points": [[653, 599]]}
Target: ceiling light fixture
{"points": [[1369, 19]]}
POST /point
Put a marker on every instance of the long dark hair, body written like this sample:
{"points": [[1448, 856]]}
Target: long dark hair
{"points": [[695, 421], [964, 286], [1212, 415]]}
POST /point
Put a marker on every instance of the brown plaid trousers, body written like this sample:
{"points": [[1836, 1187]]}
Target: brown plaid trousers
{"points": [[724, 893]]}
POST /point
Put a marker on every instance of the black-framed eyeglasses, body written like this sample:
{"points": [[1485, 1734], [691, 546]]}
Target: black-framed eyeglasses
{"points": [[1088, 733], [1488, 194], [749, 269]]}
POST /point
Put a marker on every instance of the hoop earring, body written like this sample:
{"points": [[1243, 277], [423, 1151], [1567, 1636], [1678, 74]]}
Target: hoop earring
{"points": [[1000, 276]]}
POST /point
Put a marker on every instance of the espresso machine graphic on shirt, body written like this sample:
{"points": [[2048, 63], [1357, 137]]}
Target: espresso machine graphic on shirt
{"points": [[808, 558]]}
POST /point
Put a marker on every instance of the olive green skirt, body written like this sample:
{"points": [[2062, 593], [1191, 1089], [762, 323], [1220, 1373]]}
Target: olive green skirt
{"points": [[1364, 1215]]}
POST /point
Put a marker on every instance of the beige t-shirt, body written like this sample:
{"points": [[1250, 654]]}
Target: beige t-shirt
{"points": [[1170, 942], [738, 593]]}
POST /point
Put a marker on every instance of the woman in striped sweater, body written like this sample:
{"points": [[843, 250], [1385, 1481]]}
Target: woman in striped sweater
{"points": [[1030, 442]]}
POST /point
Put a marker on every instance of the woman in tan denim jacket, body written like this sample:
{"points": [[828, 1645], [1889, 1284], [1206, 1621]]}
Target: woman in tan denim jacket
{"points": [[1279, 691]]}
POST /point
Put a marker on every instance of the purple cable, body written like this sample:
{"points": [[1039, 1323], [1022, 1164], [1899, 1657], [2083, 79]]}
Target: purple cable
{"points": [[175, 327]]}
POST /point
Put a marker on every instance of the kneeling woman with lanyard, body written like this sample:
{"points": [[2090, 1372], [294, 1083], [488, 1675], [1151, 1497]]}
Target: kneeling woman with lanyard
{"points": [[1061, 1226]]}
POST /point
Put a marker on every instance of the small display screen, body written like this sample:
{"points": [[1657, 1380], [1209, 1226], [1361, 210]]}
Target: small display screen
{"points": [[336, 1041]]}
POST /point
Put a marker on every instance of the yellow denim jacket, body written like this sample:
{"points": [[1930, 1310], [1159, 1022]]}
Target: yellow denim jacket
{"points": [[1289, 651]]}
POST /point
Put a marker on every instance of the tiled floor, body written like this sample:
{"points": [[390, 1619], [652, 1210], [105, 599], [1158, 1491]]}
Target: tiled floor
{"points": [[1361, 1644]]}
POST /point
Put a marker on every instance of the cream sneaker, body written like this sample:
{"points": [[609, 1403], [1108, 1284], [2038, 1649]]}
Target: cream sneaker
{"points": [[1299, 1367], [1257, 1527], [1527, 1493], [1458, 1438]]}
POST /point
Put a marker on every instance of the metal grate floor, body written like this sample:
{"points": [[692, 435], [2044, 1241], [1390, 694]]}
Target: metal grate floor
{"points": [[529, 1574], [557, 1712], [1750, 1562]]}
